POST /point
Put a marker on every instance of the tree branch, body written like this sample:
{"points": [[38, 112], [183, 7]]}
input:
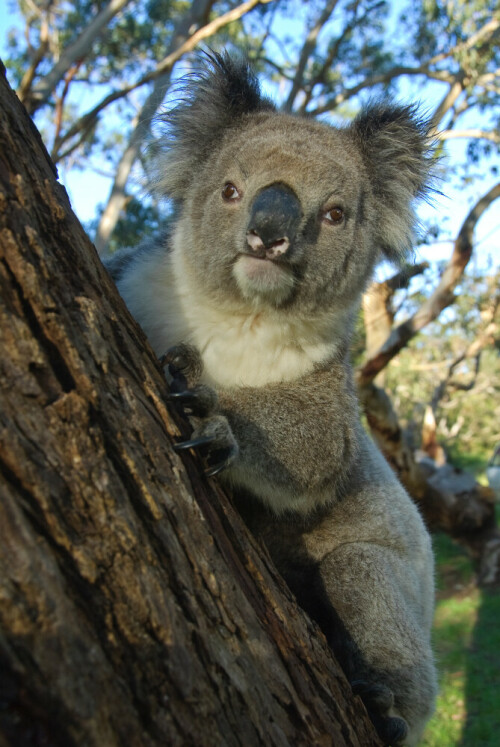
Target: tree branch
{"points": [[442, 296], [307, 49], [377, 305], [320, 77], [36, 55], [87, 121], [199, 12], [36, 97], [455, 90], [485, 33], [395, 72], [472, 133]]}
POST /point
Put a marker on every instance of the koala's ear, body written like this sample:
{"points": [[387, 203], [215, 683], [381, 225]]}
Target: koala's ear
{"points": [[214, 99], [395, 146]]}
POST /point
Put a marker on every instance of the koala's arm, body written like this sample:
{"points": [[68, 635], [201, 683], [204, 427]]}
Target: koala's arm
{"points": [[297, 428], [295, 440]]}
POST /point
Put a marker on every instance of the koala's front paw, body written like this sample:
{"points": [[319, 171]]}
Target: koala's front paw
{"points": [[184, 365], [379, 701], [216, 442], [212, 435]]}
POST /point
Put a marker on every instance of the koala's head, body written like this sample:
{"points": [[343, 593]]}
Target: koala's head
{"points": [[283, 211]]}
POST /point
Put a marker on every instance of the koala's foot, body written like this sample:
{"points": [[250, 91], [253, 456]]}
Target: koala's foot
{"points": [[212, 435], [379, 701]]}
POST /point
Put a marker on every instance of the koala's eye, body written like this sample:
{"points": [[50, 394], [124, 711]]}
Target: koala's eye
{"points": [[230, 193], [334, 216]]}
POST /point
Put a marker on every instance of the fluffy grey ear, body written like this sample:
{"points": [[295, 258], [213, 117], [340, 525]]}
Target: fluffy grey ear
{"points": [[212, 100], [395, 146]]}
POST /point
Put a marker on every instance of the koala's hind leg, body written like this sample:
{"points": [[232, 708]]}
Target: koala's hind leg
{"points": [[391, 665]]}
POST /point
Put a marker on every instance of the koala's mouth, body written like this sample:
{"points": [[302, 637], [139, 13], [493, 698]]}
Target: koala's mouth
{"points": [[262, 266], [263, 277]]}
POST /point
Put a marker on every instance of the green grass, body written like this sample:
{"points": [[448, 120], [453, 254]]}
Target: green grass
{"points": [[467, 647], [473, 462], [453, 567]]}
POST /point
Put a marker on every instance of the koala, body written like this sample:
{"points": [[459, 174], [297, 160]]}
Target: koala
{"points": [[278, 223]]}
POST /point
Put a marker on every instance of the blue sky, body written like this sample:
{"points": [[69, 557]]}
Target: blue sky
{"points": [[87, 188]]}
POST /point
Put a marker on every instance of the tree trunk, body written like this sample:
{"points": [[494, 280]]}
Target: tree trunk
{"points": [[135, 607], [197, 15]]}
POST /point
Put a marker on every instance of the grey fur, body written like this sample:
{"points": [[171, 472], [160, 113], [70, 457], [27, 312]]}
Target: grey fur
{"points": [[264, 311]]}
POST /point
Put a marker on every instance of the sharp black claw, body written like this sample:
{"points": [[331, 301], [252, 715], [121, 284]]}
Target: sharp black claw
{"points": [[220, 460], [184, 396], [216, 468], [175, 369], [378, 694], [194, 442], [378, 699], [195, 401], [360, 685]]}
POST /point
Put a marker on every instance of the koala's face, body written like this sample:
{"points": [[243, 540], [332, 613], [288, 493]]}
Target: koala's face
{"points": [[284, 212], [280, 216]]}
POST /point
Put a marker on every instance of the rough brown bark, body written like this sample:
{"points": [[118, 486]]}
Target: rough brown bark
{"points": [[135, 607]]}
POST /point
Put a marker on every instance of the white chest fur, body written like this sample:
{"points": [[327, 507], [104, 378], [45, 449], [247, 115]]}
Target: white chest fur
{"points": [[250, 349], [240, 346]]}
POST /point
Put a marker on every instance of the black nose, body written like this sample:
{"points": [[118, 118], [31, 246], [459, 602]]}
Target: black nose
{"points": [[274, 219]]}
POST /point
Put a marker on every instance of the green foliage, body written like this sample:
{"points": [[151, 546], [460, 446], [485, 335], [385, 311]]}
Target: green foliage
{"points": [[468, 419], [139, 221], [433, 23], [454, 567], [357, 42]]}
